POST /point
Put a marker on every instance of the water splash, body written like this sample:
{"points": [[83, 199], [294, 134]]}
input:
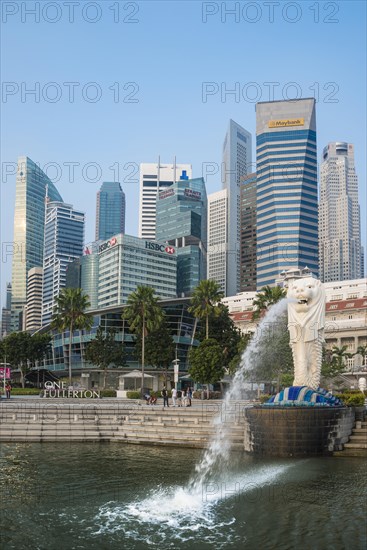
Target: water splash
{"points": [[181, 514], [217, 454]]}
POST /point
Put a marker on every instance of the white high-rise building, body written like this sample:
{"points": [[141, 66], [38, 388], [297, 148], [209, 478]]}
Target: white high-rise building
{"points": [[339, 215], [64, 240], [154, 178], [218, 238], [237, 158], [33, 320]]}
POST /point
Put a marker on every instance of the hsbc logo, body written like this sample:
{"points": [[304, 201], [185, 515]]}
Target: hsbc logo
{"points": [[107, 244], [159, 247]]}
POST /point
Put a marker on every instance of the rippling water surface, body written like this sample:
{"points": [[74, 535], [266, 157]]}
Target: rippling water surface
{"points": [[100, 496]]}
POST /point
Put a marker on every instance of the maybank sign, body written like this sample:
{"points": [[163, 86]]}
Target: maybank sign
{"points": [[286, 123]]}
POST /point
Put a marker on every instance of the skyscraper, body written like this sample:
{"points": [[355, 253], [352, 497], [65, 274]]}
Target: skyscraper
{"points": [[156, 177], [29, 219], [182, 224], [339, 215], [64, 239], [237, 158], [34, 299], [111, 206], [248, 233], [5, 313], [125, 262], [287, 217], [218, 238]]}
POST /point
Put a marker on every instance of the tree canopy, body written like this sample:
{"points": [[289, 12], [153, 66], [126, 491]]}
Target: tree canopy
{"points": [[204, 301], [267, 297], [144, 315], [23, 351], [223, 330], [70, 314], [206, 362], [273, 359], [105, 351]]}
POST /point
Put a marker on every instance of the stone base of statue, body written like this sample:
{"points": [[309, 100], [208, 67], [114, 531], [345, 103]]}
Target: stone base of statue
{"points": [[298, 422]]}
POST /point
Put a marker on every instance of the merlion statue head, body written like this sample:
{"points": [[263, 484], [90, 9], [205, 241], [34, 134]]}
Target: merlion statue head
{"points": [[306, 306], [305, 294]]}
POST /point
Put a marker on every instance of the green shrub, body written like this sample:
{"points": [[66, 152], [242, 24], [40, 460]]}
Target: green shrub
{"points": [[108, 393], [25, 391], [356, 400], [133, 394], [352, 398]]}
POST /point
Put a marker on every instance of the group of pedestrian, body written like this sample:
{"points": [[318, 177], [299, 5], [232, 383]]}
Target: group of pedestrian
{"points": [[180, 398]]}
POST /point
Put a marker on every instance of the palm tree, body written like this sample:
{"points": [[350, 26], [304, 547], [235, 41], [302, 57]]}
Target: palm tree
{"points": [[69, 314], [144, 315], [340, 355], [204, 302], [267, 297]]}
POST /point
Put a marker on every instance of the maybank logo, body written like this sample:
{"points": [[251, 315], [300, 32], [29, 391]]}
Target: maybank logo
{"points": [[160, 247], [286, 123]]}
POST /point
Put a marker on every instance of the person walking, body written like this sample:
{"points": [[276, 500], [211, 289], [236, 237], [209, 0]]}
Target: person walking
{"points": [[174, 396], [189, 396], [179, 401], [165, 396], [8, 390], [184, 398]]}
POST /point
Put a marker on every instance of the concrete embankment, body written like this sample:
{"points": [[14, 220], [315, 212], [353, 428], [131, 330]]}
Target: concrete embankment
{"points": [[357, 444], [41, 420]]}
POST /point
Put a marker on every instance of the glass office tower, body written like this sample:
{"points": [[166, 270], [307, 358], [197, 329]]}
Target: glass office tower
{"points": [[155, 178], [287, 217], [29, 220], [182, 223], [111, 206]]}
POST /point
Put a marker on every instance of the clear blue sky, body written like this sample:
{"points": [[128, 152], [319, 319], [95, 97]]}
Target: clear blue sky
{"points": [[169, 52]]}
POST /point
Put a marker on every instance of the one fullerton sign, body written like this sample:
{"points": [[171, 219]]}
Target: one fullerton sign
{"points": [[286, 123], [53, 389]]}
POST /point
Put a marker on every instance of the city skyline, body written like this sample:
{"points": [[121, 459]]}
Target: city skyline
{"points": [[88, 241], [107, 139]]}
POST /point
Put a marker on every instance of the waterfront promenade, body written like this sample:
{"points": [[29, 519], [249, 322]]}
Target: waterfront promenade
{"points": [[127, 421]]}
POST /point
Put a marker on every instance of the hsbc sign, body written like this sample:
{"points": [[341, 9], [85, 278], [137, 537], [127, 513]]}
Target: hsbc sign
{"points": [[159, 247], [107, 244]]}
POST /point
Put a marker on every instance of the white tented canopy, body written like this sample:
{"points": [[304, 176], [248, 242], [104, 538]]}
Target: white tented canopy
{"points": [[130, 380]]}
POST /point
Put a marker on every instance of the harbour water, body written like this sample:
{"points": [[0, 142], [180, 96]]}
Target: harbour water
{"points": [[118, 496]]}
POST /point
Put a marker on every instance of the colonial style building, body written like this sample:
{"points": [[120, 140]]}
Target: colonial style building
{"points": [[346, 318]]}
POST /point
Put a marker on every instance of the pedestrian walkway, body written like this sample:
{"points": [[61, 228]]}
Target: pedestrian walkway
{"points": [[120, 420]]}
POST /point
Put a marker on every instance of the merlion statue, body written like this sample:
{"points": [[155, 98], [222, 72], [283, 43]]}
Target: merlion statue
{"points": [[306, 322]]}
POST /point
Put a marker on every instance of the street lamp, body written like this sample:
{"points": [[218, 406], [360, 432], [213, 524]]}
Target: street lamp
{"points": [[176, 367]]}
